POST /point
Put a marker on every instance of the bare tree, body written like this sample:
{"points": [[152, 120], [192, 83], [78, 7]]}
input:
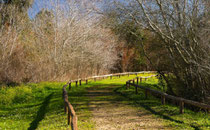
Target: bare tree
{"points": [[57, 44], [174, 37], [179, 24]]}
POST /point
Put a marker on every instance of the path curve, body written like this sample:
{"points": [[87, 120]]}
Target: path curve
{"points": [[113, 112]]}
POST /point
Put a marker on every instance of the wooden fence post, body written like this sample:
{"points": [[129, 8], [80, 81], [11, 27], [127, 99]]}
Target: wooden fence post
{"points": [[126, 85], [110, 77], [163, 99], [69, 117], [181, 107], [86, 81], [74, 123], [133, 81], [65, 108], [140, 80], [76, 83], [70, 86], [95, 79], [129, 84], [80, 82], [137, 80]]}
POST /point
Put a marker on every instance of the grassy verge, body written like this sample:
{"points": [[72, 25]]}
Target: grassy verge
{"points": [[22, 105], [169, 112], [40, 106]]}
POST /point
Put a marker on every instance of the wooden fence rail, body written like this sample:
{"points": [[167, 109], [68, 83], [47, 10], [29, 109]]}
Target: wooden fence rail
{"points": [[72, 118], [106, 76], [68, 108], [165, 96]]}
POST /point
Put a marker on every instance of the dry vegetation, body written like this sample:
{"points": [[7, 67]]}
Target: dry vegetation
{"points": [[173, 36], [63, 43], [76, 39]]}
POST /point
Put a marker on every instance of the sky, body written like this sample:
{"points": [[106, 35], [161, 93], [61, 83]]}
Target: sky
{"points": [[38, 5]]}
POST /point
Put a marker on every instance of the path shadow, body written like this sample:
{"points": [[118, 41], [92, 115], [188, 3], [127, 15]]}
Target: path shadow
{"points": [[148, 105], [40, 113]]}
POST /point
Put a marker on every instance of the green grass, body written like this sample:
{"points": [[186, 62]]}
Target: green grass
{"points": [[169, 113], [31, 106], [40, 106]]}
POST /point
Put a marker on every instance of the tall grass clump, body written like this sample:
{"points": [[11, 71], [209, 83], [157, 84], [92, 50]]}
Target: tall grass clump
{"points": [[19, 94], [25, 93]]}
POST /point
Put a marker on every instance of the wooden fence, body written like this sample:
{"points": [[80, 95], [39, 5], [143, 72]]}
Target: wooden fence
{"points": [[78, 82], [68, 108], [163, 95]]}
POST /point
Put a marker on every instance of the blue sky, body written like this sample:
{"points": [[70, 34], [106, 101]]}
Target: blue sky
{"points": [[38, 5]]}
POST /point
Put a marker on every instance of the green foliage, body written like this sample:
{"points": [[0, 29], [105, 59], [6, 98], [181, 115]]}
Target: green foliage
{"points": [[127, 30], [170, 113], [7, 96], [19, 95], [162, 83], [41, 106]]}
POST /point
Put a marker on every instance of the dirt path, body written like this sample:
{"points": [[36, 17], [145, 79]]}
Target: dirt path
{"points": [[113, 112]]}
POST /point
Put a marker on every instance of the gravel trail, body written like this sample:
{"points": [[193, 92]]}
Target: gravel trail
{"points": [[113, 112]]}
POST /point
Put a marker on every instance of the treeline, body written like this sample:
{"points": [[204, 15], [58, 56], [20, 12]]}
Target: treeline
{"points": [[80, 38], [64, 43], [171, 37]]}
